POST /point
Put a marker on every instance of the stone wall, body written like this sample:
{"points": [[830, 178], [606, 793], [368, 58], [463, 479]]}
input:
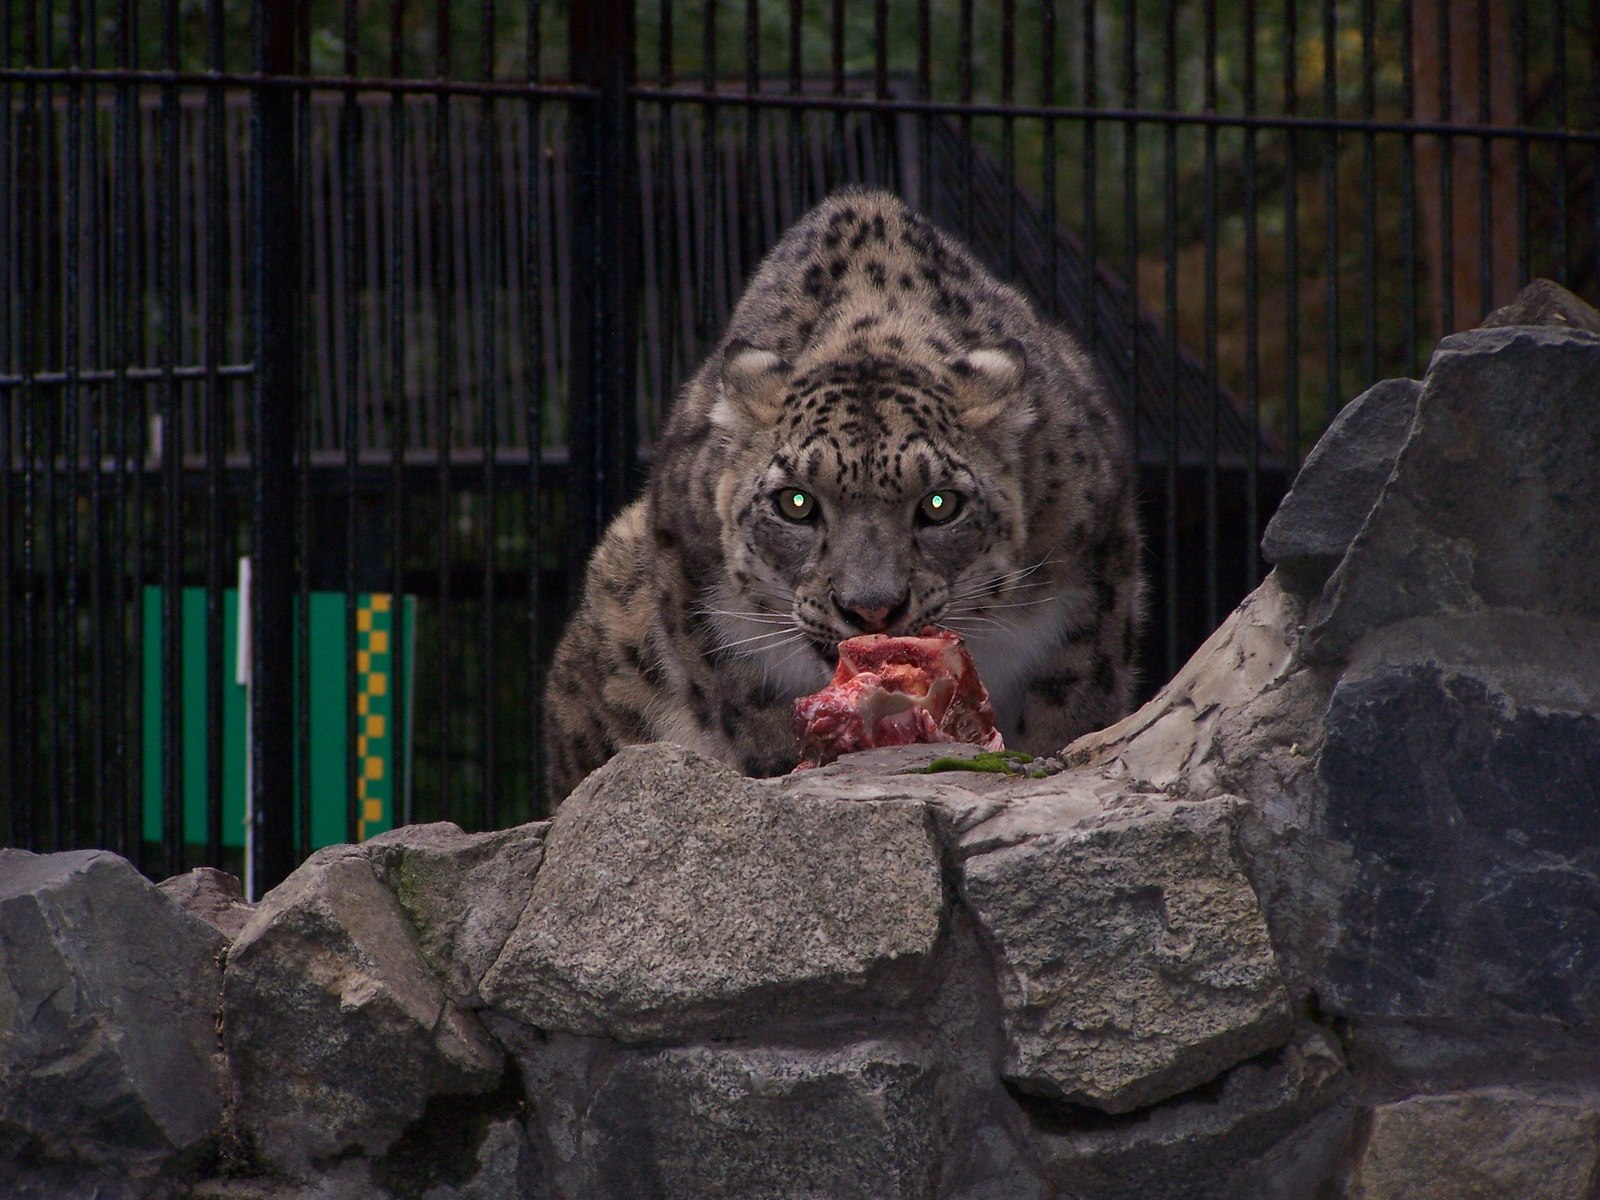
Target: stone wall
{"points": [[1321, 920]]}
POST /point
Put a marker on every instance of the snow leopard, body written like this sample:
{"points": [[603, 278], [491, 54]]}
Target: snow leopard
{"points": [[886, 437]]}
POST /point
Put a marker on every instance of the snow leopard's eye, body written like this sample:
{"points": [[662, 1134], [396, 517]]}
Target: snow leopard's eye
{"points": [[794, 504], [941, 506]]}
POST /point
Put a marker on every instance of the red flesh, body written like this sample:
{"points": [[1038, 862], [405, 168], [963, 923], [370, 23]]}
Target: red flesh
{"points": [[896, 691]]}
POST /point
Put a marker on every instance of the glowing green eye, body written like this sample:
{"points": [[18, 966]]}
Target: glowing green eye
{"points": [[939, 507], [795, 505]]}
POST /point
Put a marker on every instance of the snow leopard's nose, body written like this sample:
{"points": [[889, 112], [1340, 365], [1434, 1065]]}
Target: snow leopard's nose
{"points": [[870, 614]]}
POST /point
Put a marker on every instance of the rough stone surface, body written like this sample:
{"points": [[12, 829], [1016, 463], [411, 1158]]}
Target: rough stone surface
{"points": [[1486, 1145], [678, 897], [767, 1123], [1270, 1127], [1493, 499], [1545, 302], [214, 896], [1461, 768], [336, 1031], [462, 892], [108, 1002], [1339, 483], [1133, 960]]}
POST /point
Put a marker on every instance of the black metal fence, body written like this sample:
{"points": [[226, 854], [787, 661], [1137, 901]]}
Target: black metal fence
{"points": [[391, 297]]}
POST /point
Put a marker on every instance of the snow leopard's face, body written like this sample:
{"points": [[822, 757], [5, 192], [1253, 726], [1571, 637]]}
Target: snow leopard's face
{"points": [[880, 497]]}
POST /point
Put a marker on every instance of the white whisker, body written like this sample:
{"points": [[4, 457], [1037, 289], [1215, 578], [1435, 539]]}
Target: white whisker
{"points": [[789, 631]]}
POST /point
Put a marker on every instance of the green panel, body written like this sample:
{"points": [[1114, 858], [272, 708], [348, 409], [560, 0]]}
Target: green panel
{"points": [[194, 715], [152, 714], [378, 796], [193, 701], [329, 763]]}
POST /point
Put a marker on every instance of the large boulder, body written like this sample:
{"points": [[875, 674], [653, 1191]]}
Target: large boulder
{"points": [[678, 898], [1132, 956], [108, 1005], [1493, 497], [1339, 483], [1491, 1144], [462, 892], [214, 896], [1274, 1126], [336, 1031], [1460, 773], [861, 1120]]}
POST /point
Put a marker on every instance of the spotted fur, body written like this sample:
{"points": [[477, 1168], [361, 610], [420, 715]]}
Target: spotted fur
{"points": [[871, 362]]}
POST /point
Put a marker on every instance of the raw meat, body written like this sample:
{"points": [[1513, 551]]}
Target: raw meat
{"points": [[896, 691]]}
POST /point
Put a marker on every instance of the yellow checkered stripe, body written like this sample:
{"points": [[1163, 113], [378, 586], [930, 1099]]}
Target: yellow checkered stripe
{"points": [[374, 659]]}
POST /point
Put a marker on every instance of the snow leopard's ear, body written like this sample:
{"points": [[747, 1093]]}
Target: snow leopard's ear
{"points": [[751, 387], [989, 386]]}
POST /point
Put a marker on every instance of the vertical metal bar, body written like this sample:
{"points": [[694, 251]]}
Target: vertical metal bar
{"points": [[964, 55], [1091, 182], [12, 703], [880, 89], [706, 314], [1486, 273], [398, 424], [796, 118], [46, 346], [925, 93], [1170, 248], [349, 134], [446, 393], [1213, 398], [29, 235], [1252, 332], [1130, 217], [1330, 198], [1369, 198], [302, 492], [1444, 276], [1008, 130], [1562, 269], [102, 646], [749, 240], [171, 451], [1291, 228], [1047, 151], [72, 236], [489, 366], [275, 419], [1408, 186], [1519, 52], [126, 751], [216, 417], [604, 275], [533, 413], [836, 160]]}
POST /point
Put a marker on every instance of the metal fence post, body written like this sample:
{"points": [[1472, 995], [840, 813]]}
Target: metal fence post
{"points": [[605, 275], [276, 419]]}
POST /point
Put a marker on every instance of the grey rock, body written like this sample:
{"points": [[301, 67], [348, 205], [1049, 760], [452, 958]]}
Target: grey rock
{"points": [[1493, 499], [1270, 1127], [677, 897], [1339, 483], [1133, 959], [1483, 1145], [1545, 302], [463, 893], [1461, 771], [765, 1123], [336, 1032], [108, 1001], [214, 896]]}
